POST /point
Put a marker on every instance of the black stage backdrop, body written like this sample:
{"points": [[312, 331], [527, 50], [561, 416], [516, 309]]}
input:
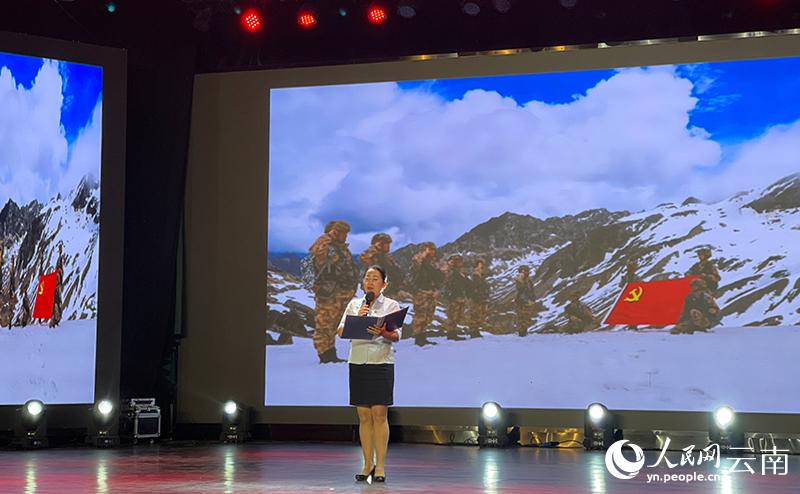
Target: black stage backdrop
{"points": [[159, 107]]}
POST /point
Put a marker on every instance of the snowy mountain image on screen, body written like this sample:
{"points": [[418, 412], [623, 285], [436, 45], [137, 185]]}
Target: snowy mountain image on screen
{"points": [[753, 237], [31, 234]]}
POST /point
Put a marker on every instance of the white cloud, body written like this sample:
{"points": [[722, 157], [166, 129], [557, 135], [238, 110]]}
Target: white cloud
{"points": [[756, 164], [84, 159], [702, 75], [33, 145], [36, 161], [383, 158]]}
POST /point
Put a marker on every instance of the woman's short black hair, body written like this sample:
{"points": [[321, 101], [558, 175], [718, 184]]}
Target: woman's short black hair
{"points": [[378, 269]]}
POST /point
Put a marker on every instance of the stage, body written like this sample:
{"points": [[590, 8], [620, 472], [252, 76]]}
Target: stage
{"points": [[329, 467]]}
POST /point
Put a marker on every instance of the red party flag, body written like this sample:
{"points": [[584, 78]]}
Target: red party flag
{"points": [[45, 294], [657, 303]]}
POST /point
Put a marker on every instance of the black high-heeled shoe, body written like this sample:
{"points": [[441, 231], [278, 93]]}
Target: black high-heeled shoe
{"points": [[379, 478], [363, 478]]}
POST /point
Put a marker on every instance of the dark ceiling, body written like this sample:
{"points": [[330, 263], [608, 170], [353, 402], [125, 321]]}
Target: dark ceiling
{"points": [[440, 26]]}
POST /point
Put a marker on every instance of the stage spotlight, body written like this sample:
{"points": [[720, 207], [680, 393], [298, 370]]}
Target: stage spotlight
{"points": [[251, 20], [493, 427], [599, 427], [502, 6], [102, 431], [111, 7], [30, 430], [568, 4], [235, 423], [597, 412], [723, 416], [724, 430], [490, 411], [471, 8], [407, 9], [306, 19], [34, 408], [376, 14], [105, 408]]}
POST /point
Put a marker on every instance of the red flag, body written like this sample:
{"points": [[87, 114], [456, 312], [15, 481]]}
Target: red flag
{"points": [[657, 303], [45, 294]]}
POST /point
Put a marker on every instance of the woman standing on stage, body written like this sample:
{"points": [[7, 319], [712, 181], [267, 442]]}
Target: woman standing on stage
{"points": [[372, 374]]}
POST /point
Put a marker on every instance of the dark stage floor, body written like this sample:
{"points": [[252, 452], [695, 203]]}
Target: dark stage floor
{"points": [[295, 468]]}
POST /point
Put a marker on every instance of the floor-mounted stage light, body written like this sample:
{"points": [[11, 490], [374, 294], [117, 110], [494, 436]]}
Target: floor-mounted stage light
{"points": [[493, 427], [103, 425], [723, 429], [235, 423], [599, 427], [30, 430]]}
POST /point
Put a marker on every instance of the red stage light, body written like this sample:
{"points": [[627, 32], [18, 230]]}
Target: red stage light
{"points": [[251, 20], [376, 14], [307, 19]]}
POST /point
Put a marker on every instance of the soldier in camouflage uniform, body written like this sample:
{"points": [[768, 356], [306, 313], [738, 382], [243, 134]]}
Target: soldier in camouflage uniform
{"points": [[24, 318], [630, 275], [700, 311], [706, 269], [456, 289], [425, 280], [478, 299], [2, 259], [335, 283], [377, 254], [579, 317], [12, 293], [524, 300], [58, 292]]}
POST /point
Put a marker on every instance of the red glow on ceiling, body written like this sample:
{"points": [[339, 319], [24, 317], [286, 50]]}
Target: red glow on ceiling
{"points": [[376, 14], [251, 20]]}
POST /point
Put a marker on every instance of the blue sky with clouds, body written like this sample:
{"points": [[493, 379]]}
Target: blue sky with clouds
{"points": [[458, 152], [50, 127], [729, 91]]}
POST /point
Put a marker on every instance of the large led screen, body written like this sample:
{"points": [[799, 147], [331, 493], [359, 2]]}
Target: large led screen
{"points": [[50, 141], [628, 236]]}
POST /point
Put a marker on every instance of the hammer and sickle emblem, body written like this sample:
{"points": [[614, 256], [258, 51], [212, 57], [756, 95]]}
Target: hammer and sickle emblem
{"points": [[634, 295], [41, 288]]}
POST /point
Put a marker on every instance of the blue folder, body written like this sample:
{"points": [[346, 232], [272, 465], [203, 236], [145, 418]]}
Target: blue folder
{"points": [[355, 327]]}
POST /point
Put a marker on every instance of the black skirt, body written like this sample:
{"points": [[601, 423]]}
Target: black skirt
{"points": [[371, 384]]}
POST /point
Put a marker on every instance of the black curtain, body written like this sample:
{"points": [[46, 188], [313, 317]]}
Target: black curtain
{"points": [[159, 110]]}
